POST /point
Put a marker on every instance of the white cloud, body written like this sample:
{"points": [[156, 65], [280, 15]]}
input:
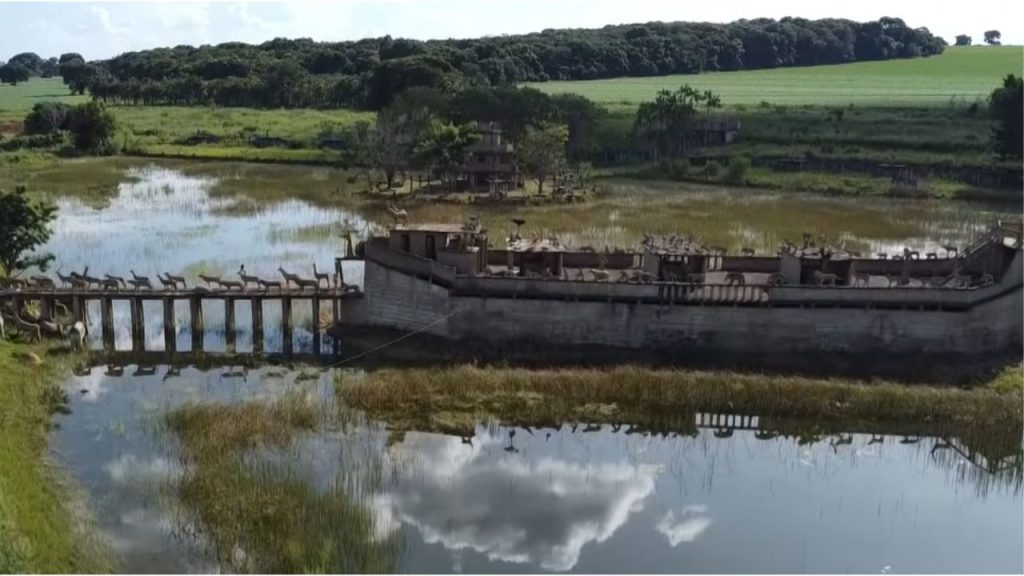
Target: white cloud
{"points": [[687, 527], [512, 510]]}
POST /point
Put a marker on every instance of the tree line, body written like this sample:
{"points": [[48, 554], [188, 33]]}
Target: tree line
{"points": [[368, 73]]}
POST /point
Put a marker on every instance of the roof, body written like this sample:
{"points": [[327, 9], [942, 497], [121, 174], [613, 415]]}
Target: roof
{"points": [[435, 227]]}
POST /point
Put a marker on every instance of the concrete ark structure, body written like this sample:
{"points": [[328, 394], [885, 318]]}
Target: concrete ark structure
{"points": [[680, 297]]}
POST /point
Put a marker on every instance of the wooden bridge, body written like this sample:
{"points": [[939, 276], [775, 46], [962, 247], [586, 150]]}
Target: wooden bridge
{"points": [[76, 300]]}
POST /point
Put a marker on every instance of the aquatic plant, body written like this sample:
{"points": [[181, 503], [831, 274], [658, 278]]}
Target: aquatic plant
{"points": [[453, 400], [263, 514]]}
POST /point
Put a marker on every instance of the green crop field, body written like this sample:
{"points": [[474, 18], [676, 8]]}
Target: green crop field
{"points": [[962, 73], [16, 100]]}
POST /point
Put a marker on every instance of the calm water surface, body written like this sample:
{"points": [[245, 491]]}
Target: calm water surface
{"points": [[507, 499]]}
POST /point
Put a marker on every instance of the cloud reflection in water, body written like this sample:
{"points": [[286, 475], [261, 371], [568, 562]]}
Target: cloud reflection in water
{"points": [[510, 509]]}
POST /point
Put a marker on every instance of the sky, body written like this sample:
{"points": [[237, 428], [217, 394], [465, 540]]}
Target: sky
{"points": [[104, 29]]}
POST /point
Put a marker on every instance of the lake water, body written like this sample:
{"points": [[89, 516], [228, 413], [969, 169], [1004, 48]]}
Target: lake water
{"points": [[579, 498]]}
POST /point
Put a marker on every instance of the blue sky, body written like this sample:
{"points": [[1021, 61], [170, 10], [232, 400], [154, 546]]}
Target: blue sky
{"points": [[104, 29]]}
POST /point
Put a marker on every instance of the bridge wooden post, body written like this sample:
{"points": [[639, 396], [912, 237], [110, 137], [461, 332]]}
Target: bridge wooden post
{"points": [[195, 305], [229, 323], [76, 309], [257, 324], [107, 320], [138, 325], [45, 308], [286, 324], [170, 334], [315, 302]]}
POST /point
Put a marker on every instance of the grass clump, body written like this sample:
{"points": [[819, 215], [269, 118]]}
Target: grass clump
{"points": [[1009, 381], [413, 399], [40, 529], [263, 515]]}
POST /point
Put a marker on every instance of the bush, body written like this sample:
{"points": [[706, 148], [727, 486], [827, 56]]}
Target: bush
{"points": [[736, 173], [47, 117], [92, 128], [711, 169]]}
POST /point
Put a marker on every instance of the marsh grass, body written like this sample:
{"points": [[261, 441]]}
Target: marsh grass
{"points": [[452, 400], [44, 524], [624, 209], [265, 515]]}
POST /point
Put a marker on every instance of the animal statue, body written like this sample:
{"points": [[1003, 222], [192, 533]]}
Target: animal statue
{"points": [[304, 283], [43, 282], [76, 334], [882, 256], [65, 281], [718, 250], [825, 279], [321, 276], [229, 284], [210, 280], [861, 279], [909, 254], [776, 279], [176, 279], [139, 282], [166, 282], [951, 251], [735, 278], [117, 279], [91, 280], [289, 278], [932, 256], [747, 251], [247, 279], [268, 284], [50, 328], [27, 328], [110, 284], [600, 275], [399, 215]]}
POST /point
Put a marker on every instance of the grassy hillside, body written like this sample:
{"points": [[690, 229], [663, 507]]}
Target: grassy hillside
{"points": [[19, 99], [963, 73]]}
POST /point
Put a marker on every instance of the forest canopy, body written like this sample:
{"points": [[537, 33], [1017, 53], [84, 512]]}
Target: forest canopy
{"points": [[369, 72]]}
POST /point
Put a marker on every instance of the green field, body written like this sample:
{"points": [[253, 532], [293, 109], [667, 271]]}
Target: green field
{"points": [[962, 73], [15, 101]]}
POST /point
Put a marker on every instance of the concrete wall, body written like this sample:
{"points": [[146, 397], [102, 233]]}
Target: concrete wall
{"points": [[400, 301]]}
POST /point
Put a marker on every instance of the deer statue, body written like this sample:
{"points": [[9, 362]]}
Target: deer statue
{"points": [[210, 280], [247, 279], [321, 276], [120, 281], [166, 282], [176, 279], [139, 282], [289, 277], [398, 214]]}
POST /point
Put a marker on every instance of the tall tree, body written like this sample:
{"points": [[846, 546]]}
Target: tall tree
{"points": [[541, 152], [12, 73], [24, 226], [963, 40], [992, 37], [442, 147], [1006, 106], [667, 123]]}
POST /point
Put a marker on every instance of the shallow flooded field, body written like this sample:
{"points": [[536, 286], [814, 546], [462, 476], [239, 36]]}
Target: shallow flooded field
{"points": [[577, 498], [263, 469]]}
